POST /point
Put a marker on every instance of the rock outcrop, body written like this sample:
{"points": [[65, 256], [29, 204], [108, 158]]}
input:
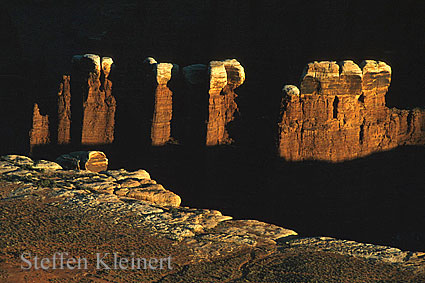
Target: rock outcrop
{"points": [[224, 78], [39, 133], [124, 200], [85, 106], [93, 161], [339, 113], [163, 100], [99, 105]]}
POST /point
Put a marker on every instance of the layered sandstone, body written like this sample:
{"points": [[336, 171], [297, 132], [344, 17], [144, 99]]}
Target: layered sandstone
{"points": [[163, 100], [99, 105], [224, 78], [339, 113], [86, 97], [64, 111], [39, 133]]}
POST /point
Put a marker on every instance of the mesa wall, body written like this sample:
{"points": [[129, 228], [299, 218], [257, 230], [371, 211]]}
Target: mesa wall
{"points": [[339, 113]]}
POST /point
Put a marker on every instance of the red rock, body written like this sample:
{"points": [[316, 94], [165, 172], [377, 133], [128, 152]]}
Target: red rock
{"points": [[64, 111], [39, 133], [224, 77], [340, 114], [163, 101], [99, 104]]}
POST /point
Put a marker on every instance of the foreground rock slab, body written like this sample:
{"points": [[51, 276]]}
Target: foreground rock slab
{"points": [[46, 209]]}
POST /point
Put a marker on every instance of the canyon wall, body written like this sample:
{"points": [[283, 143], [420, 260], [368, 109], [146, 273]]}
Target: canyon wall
{"points": [[339, 113]]}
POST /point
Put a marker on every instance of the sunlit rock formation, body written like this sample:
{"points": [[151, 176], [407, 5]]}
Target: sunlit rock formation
{"points": [[39, 133], [339, 113], [163, 100], [98, 114], [64, 111], [224, 78], [94, 161]]}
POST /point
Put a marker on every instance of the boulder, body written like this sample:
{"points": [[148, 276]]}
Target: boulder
{"points": [[94, 161]]}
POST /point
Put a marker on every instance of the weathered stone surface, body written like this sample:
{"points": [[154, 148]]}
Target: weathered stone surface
{"points": [[235, 73], [18, 159], [46, 165], [155, 194], [64, 111], [255, 227], [163, 101], [163, 72], [224, 77], [340, 114], [99, 104], [123, 174], [93, 105], [107, 65], [39, 133], [210, 236], [94, 161], [355, 249]]}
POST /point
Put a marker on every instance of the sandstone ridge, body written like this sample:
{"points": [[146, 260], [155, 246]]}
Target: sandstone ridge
{"points": [[339, 113]]}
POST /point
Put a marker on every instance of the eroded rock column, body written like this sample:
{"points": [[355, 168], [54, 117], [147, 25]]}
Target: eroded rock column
{"points": [[224, 78], [39, 133], [99, 105], [163, 101], [64, 111], [339, 113]]}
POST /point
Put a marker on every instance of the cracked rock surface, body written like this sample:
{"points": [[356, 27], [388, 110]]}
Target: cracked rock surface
{"points": [[45, 208]]}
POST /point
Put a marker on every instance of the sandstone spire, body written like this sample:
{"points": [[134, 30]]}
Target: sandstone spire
{"points": [[224, 78], [99, 105], [163, 100], [39, 133]]}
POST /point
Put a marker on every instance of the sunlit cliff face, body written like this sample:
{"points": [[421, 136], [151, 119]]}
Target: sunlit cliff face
{"points": [[339, 114]]}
